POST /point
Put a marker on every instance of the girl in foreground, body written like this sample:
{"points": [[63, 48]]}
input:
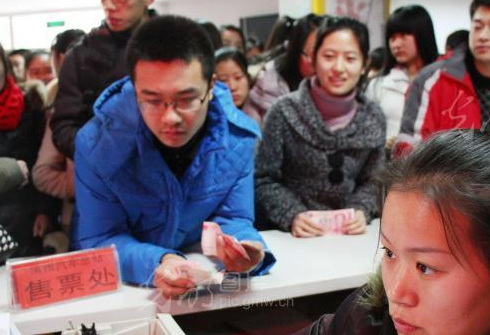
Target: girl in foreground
{"points": [[435, 232]]}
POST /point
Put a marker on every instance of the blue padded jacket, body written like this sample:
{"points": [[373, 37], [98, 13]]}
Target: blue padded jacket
{"points": [[127, 195]]}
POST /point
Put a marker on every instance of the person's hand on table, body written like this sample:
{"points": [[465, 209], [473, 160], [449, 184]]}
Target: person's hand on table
{"points": [[236, 261], [170, 279], [303, 226], [357, 225]]}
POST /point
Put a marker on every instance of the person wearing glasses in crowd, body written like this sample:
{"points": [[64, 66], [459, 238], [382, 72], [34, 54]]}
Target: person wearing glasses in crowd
{"points": [[166, 150], [321, 143], [92, 66]]}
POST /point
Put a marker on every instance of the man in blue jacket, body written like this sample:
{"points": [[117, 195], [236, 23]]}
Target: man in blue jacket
{"points": [[166, 151]]}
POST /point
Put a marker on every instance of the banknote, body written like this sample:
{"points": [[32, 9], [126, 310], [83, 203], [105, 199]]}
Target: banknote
{"points": [[332, 222], [211, 233]]}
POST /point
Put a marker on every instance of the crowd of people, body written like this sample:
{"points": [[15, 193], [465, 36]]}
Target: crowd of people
{"points": [[136, 133]]}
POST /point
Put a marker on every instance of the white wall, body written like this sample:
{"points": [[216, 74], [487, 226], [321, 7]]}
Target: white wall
{"points": [[36, 6], [28, 18], [294, 8], [31, 31], [218, 11], [447, 16]]}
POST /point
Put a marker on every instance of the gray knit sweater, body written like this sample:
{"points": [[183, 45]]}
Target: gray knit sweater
{"points": [[298, 166]]}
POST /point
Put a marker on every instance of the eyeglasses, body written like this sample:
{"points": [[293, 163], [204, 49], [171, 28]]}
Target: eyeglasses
{"points": [[182, 105], [336, 160]]}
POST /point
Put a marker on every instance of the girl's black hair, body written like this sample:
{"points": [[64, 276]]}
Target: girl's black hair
{"points": [[66, 40], [416, 21], [450, 169], [213, 33], [234, 54], [281, 32], [287, 65]]}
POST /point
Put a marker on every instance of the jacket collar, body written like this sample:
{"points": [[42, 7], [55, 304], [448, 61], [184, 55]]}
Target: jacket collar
{"points": [[455, 69], [305, 120]]}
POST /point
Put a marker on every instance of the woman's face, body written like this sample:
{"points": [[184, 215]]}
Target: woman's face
{"points": [[40, 69], [306, 59], [230, 73], [429, 291], [404, 49], [339, 63]]}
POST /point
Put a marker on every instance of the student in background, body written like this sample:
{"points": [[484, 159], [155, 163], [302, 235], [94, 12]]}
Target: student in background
{"points": [[232, 36], [53, 172], [454, 93], [435, 232], [321, 143], [376, 62], [92, 66], [213, 33], [38, 67], [411, 42], [231, 68], [17, 59], [254, 47], [24, 212], [283, 74], [457, 39], [275, 44]]}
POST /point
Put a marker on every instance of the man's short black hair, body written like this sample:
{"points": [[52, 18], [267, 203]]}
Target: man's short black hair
{"points": [[457, 38], [168, 38], [476, 4]]}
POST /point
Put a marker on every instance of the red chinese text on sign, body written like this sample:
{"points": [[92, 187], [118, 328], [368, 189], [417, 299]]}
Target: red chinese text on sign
{"points": [[64, 277]]}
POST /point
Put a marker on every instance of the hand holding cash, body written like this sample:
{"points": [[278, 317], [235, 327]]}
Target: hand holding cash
{"points": [[316, 223], [236, 256], [177, 275]]}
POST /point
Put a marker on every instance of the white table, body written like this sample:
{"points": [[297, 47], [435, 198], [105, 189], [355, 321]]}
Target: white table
{"points": [[304, 267]]}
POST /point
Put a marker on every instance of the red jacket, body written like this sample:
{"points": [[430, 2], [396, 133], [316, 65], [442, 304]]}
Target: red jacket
{"points": [[441, 97]]}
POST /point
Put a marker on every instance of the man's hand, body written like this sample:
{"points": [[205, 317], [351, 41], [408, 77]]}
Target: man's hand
{"points": [[236, 261], [303, 226], [169, 278], [357, 225]]}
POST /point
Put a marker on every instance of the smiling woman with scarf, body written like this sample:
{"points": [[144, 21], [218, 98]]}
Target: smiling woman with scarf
{"points": [[321, 143], [24, 212]]}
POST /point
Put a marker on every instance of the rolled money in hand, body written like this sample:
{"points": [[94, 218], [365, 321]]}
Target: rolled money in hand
{"points": [[237, 246], [198, 275], [211, 232], [332, 222], [209, 238]]}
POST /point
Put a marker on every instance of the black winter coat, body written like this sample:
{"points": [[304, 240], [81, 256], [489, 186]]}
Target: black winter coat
{"points": [[354, 318], [18, 208], [86, 71]]}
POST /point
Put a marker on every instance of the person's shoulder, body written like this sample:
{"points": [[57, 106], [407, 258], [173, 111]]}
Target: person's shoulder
{"points": [[372, 119], [239, 123], [433, 69], [114, 123]]}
